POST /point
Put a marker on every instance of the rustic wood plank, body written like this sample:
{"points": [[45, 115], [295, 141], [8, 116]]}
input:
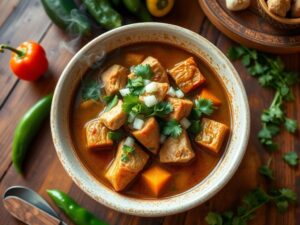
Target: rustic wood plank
{"points": [[30, 22], [7, 7]]}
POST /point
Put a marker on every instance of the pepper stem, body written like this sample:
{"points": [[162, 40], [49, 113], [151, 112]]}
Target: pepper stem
{"points": [[18, 52]]}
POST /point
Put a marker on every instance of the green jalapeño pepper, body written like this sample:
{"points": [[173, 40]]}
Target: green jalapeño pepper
{"points": [[103, 13], [79, 215], [132, 5], [27, 128], [66, 15]]}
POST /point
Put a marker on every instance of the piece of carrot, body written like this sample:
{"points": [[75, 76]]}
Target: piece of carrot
{"points": [[208, 95], [156, 179]]}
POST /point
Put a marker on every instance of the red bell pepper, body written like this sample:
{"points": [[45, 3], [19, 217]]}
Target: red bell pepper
{"points": [[28, 61]]}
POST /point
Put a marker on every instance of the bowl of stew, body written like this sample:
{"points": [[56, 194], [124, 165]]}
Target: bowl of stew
{"points": [[150, 119]]}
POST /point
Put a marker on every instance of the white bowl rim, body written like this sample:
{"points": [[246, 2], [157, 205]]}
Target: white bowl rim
{"points": [[141, 207]]}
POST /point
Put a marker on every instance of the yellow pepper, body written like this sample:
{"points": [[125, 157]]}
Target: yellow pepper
{"points": [[159, 8]]}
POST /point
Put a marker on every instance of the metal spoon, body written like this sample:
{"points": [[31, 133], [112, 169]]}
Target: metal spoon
{"points": [[29, 207]]}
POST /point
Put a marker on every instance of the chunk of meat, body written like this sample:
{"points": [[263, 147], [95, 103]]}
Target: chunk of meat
{"points": [[133, 59], [114, 79], [115, 118], [160, 93], [177, 150], [159, 73], [186, 75], [212, 134], [149, 135], [208, 95], [121, 173], [156, 179], [97, 135], [181, 108]]}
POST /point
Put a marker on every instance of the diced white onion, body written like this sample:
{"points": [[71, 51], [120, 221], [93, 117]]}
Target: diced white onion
{"points": [[129, 141], [179, 93], [150, 100], [147, 82], [162, 138], [171, 92], [138, 123], [124, 92], [131, 117], [185, 123], [151, 87]]}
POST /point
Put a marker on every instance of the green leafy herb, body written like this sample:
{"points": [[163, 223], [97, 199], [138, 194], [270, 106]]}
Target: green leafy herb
{"points": [[266, 171], [116, 135], [250, 204], [127, 150], [291, 158], [271, 73], [172, 128], [195, 127], [161, 109], [136, 86], [143, 71], [202, 106], [111, 103], [90, 90]]}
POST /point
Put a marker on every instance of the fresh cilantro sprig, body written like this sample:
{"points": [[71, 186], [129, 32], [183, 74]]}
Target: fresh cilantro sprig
{"points": [[143, 71], [270, 72], [127, 150], [136, 86], [291, 158], [111, 101], [172, 128], [250, 204], [202, 106], [266, 171], [90, 90], [116, 135]]}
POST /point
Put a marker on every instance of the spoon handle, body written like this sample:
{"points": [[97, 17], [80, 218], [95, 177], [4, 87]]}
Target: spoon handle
{"points": [[28, 213]]}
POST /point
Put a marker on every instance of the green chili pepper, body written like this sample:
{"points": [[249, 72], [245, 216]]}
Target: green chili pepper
{"points": [[66, 15], [79, 215], [143, 14], [27, 128], [132, 5], [103, 13]]}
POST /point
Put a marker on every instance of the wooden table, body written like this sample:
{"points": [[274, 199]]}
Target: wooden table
{"points": [[25, 20]]}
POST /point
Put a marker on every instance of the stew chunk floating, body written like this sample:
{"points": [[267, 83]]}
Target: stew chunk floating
{"points": [[151, 121]]}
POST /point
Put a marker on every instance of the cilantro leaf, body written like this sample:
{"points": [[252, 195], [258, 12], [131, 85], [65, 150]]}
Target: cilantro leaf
{"points": [[90, 90], [213, 218], [266, 172], [136, 86], [112, 102], [115, 135], [127, 150], [172, 128], [195, 127], [161, 109], [291, 158], [202, 106], [282, 198], [143, 71], [290, 125]]}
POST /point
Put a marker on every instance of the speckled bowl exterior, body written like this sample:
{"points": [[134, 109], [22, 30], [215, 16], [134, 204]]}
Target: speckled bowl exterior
{"points": [[150, 32]]}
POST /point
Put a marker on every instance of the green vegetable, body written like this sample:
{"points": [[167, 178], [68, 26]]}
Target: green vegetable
{"points": [[250, 204], [90, 90], [103, 13], [291, 158], [132, 5], [202, 106], [266, 171], [111, 103], [65, 14], [27, 129], [271, 73], [143, 71], [78, 214], [143, 14], [172, 128], [161, 109], [136, 86], [127, 150], [116, 135], [195, 127]]}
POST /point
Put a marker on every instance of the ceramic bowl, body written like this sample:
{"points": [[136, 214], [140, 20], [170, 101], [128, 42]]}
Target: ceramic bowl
{"points": [[150, 32], [277, 21]]}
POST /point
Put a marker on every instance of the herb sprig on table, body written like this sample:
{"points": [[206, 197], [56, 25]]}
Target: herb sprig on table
{"points": [[250, 204], [271, 73]]}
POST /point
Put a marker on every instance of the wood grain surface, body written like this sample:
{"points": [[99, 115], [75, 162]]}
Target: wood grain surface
{"points": [[25, 20], [249, 28]]}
